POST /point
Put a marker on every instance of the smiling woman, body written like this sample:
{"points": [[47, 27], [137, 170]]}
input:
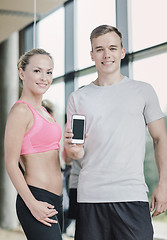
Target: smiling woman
{"points": [[37, 73], [33, 136]]}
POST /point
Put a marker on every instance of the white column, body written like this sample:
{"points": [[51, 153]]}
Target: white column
{"points": [[9, 88]]}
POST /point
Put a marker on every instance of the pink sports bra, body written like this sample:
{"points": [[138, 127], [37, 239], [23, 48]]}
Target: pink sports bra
{"points": [[43, 136]]}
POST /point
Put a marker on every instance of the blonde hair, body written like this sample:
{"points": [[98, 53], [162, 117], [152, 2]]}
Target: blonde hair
{"points": [[48, 105], [24, 59]]}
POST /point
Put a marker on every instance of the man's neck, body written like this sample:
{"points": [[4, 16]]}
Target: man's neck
{"points": [[107, 81]]}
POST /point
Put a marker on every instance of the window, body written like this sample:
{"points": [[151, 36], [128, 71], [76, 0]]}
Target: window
{"points": [[153, 71], [148, 21], [90, 14], [51, 38], [85, 80], [55, 95]]}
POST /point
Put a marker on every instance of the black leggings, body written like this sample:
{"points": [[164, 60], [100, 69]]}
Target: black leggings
{"points": [[34, 229]]}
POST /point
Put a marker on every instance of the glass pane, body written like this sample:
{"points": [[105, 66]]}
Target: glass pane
{"points": [[153, 71], [85, 80], [148, 23], [56, 95], [90, 14], [51, 38]]}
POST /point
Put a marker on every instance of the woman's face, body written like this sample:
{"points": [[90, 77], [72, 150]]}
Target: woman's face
{"points": [[37, 76]]}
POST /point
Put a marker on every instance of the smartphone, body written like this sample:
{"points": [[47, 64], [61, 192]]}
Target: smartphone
{"points": [[78, 128]]}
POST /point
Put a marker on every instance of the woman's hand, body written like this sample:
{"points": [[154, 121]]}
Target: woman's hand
{"points": [[42, 211]]}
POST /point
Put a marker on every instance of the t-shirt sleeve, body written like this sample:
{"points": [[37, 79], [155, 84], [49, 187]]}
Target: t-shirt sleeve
{"points": [[152, 110], [70, 110]]}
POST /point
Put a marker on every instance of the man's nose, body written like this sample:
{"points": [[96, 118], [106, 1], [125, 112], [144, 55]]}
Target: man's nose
{"points": [[106, 54]]}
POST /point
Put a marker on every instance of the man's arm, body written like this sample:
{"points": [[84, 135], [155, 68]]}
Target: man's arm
{"points": [[158, 132]]}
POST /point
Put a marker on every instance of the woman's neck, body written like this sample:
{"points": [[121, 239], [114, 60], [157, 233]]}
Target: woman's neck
{"points": [[35, 101]]}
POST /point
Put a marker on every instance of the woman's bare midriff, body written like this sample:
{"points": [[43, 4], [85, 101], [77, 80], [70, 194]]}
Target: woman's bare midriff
{"points": [[42, 170]]}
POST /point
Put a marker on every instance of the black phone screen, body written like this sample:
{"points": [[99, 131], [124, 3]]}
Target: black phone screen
{"points": [[78, 128]]}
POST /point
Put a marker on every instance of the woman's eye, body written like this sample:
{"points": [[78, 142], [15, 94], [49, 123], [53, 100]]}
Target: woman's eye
{"points": [[36, 70], [49, 73]]}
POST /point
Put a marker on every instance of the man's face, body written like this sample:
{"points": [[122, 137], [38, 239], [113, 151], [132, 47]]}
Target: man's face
{"points": [[107, 53]]}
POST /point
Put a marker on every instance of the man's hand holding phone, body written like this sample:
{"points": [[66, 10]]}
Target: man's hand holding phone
{"points": [[74, 138], [72, 150], [78, 128]]}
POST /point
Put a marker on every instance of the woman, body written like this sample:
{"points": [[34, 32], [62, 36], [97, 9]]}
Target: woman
{"points": [[33, 135]]}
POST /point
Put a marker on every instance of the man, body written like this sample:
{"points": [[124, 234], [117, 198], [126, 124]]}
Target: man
{"points": [[112, 193]]}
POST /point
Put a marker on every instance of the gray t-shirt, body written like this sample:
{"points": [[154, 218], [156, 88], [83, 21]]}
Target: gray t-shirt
{"points": [[74, 175], [116, 119]]}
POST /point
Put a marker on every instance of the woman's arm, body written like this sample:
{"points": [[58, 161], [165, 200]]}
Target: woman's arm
{"points": [[19, 122]]}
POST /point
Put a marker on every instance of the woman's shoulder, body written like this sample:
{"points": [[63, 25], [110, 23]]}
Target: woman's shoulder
{"points": [[20, 110]]}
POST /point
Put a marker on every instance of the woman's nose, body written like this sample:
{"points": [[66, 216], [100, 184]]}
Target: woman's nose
{"points": [[43, 77]]}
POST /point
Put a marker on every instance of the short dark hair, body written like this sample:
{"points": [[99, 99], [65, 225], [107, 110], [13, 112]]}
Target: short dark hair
{"points": [[103, 29]]}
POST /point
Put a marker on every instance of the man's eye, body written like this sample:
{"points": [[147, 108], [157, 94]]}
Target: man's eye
{"points": [[36, 70], [113, 49], [99, 50]]}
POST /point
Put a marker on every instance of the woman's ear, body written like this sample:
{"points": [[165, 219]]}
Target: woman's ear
{"points": [[21, 73]]}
